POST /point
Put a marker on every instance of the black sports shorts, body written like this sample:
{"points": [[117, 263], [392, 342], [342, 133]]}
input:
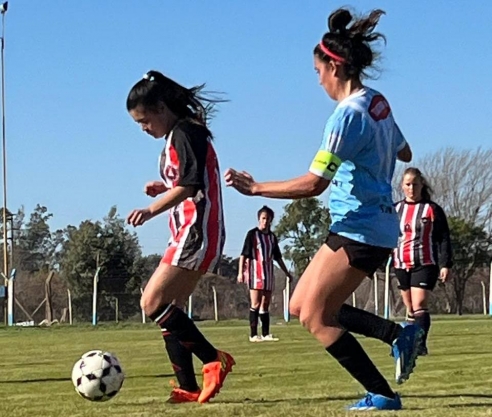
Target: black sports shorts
{"points": [[361, 256], [419, 277]]}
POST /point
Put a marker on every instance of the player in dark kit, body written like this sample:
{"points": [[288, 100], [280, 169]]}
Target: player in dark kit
{"points": [[423, 254], [191, 192], [256, 269]]}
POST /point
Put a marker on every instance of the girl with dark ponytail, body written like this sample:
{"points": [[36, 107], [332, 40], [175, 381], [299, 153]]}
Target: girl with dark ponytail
{"points": [[190, 188], [357, 156]]}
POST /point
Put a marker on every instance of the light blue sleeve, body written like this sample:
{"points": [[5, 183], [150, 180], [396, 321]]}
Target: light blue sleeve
{"points": [[346, 133], [400, 141]]}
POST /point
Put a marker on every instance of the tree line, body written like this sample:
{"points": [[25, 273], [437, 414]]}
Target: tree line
{"points": [[462, 184]]}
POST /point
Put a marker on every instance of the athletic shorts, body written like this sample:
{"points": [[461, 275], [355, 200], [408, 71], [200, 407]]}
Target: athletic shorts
{"points": [[267, 284], [364, 257], [197, 246], [420, 277]]}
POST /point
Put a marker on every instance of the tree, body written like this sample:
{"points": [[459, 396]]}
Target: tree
{"points": [[471, 251], [111, 247], [303, 227], [34, 243]]}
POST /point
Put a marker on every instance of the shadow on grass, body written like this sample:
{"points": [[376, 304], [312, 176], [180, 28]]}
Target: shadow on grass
{"points": [[38, 380], [458, 395]]}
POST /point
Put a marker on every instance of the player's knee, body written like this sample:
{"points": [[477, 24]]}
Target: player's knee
{"points": [[294, 308], [308, 321], [147, 305], [255, 305]]}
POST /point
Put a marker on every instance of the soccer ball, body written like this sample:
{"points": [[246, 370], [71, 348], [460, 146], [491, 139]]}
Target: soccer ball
{"points": [[97, 376]]}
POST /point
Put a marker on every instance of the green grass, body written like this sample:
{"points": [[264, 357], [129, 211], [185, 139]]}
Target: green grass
{"points": [[293, 377]]}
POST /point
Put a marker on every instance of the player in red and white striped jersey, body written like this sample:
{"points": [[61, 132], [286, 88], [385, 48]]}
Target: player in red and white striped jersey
{"points": [[256, 269], [423, 254], [191, 192]]}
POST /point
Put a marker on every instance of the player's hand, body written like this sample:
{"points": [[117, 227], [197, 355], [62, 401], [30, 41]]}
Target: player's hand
{"points": [[154, 188], [240, 278], [444, 274], [241, 181], [138, 217]]}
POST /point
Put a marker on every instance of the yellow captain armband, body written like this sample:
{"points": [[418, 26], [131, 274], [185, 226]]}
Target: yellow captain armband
{"points": [[325, 165]]}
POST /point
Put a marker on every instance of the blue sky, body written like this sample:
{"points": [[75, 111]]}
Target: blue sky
{"points": [[70, 64]]}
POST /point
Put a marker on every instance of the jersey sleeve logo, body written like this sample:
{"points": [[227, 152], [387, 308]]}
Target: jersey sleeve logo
{"points": [[379, 109]]}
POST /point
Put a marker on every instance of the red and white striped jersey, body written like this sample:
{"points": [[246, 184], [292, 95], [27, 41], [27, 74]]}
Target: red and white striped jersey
{"points": [[424, 236], [197, 223], [261, 249]]}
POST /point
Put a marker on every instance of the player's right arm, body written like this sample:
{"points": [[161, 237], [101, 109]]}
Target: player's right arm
{"points": [[240, 273], [154, 188], [246, 254]]}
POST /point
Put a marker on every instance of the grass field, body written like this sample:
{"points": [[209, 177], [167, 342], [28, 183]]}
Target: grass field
{"points": [[293, 377]]}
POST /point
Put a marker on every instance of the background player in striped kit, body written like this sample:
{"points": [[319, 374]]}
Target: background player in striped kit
{"points": [[423, 246], [192, 193], [256, 269], [357, 156]]}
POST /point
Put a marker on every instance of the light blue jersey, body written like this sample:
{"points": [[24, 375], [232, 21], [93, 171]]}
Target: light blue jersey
{"points": [[363, 139]]}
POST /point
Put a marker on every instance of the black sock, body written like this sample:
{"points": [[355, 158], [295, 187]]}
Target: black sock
{"points": [[423, 319], [174, 320], [182, 361], [362, 322], [350, 354], [253, 321], [265, 323]]}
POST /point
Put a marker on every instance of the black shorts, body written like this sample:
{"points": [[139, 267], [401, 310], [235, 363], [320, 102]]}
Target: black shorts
{"points": [[420, 277], [361, 256]]}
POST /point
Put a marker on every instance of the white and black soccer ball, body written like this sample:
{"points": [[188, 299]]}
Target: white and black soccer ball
{"points": [[97, 376]]}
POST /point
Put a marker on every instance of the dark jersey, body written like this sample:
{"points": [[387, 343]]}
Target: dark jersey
{"points": [[424, 236], [261, 249], [197, 223]]}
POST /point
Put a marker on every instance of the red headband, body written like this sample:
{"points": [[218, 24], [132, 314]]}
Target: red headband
{"points": [[332, 55]]}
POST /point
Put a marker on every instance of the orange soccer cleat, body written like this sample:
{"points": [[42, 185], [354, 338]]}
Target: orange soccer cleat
{"points": [[179, 395], [214, 374]]}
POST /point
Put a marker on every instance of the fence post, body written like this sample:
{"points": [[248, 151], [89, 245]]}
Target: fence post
{"points": [[386, 289], [143, 312], [287, 300], [484, 297], [215, 304], [10, 297], [116, 308], [94, 298], [490, 290], [69, 307], [190, 306]]}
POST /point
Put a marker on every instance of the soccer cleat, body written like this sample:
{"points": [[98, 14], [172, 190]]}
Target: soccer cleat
{"points": [[405, 350], [269, 338], [214, 374], [179, 395], [376, 402], [255, 339]]}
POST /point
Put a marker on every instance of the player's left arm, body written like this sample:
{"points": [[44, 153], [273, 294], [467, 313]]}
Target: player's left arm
{"points": [[277, 255], [443, 240], [171, 199], [191, 152]]}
